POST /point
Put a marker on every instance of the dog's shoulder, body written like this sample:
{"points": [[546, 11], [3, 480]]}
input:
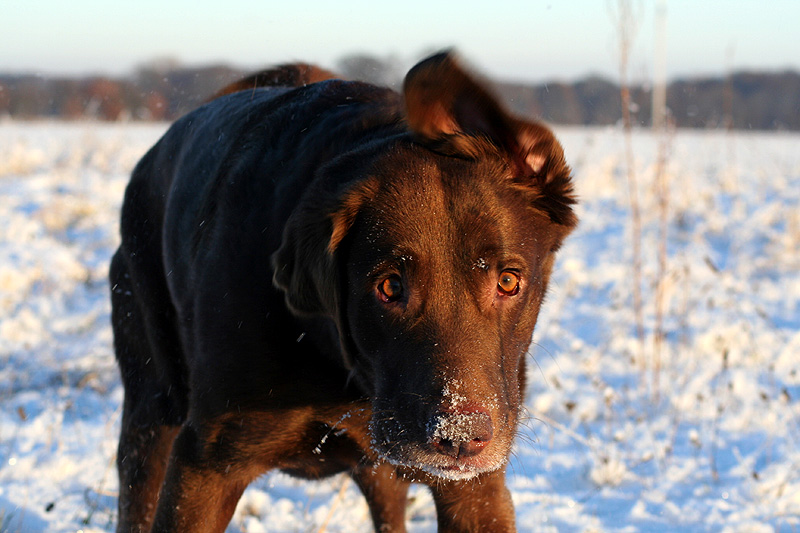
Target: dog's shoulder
{"points": [[313, 121]]}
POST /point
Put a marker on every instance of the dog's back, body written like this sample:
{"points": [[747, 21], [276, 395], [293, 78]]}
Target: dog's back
{"points": [[290, 75]]}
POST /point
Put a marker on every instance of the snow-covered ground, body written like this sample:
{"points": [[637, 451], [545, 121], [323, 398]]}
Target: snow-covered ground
{"points": [[711, 442]]}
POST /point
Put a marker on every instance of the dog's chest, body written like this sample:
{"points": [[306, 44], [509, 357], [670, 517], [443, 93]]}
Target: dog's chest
{"points": [[327, 448]]}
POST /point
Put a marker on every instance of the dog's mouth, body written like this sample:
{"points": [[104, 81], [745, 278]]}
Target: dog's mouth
{"points": [[420, 457], [460, 472], [441, 451]]}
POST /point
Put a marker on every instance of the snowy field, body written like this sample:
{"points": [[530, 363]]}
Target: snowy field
{"points": [[702, 434]]}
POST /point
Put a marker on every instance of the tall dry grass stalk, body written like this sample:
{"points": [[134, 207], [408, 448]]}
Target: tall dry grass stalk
{"points": [[663, 129], [337, 499], [661, 184], [625, 21]]}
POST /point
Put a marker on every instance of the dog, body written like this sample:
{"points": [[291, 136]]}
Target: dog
{"points": [[333, 277]]}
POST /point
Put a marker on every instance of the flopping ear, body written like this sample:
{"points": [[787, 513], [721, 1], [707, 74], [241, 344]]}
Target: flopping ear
{"points": [[306, 266], [450, 110], [302, 267], [443, 100]]}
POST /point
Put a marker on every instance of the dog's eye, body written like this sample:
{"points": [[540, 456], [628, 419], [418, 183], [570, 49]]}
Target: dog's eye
{"points": [[391, 289], [508, 283]]}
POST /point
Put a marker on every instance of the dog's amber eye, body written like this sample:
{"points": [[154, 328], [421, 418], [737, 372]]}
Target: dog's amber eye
{"points": [[391, 289], [508, 283]]}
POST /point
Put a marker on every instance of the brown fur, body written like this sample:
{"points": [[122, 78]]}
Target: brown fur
{"points": [[251, 320]]}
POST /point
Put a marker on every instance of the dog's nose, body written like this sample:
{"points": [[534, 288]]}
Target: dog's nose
{"points": [[460, 433]]}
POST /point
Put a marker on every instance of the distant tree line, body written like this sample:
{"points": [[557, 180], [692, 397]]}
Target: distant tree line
{"points": [[165, 91], [152, 93], [744, 100]]}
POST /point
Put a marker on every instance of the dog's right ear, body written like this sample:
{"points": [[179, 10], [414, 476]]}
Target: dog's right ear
{"points": [[302, 267], [305, 266], [308, 265]]}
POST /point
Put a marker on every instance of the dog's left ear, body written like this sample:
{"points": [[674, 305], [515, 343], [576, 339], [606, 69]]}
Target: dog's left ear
{"points": [[448, 108]]}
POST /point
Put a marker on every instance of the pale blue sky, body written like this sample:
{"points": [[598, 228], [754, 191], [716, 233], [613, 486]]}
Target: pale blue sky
{"points": [[530, 40]]}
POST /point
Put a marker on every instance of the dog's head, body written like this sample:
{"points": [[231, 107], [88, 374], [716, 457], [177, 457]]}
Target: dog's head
{"points": [[433, 265]]}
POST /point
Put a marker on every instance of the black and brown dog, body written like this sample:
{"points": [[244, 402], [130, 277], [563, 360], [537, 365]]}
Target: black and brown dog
{"points": [[332, 277]]}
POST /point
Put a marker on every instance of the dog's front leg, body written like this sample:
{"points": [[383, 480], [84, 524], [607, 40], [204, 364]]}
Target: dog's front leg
{"points": [[481, 504], [200, 493], [142, 461], [386, 495]]}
